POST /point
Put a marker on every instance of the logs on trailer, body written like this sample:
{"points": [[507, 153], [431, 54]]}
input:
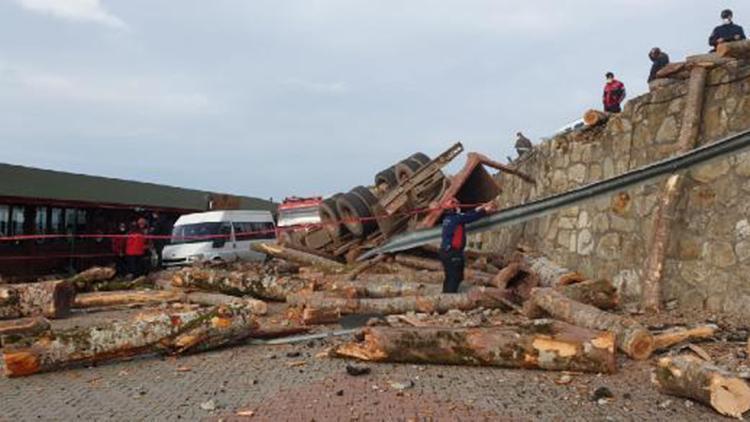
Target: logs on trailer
{"points": [[168, 332], [594, 117], [84, 280], [15, 329], [632, 338], [690, 377], [216, 299], [550, 273], [52, 299], [304, 258], [669, 338], [736, 49], [541, 344], [236, 283], [601, 294], [125, 297], [441, 303]]}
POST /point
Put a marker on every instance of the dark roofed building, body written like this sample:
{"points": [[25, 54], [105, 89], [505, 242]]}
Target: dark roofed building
{"points": [[64, 205]]}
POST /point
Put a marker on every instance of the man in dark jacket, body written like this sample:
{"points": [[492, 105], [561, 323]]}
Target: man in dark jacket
{"points": [[727, 32], [659, 60], [454, 241], [523, 144], [614, 94]]}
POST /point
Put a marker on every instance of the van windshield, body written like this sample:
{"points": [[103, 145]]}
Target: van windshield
{"points": [[200, 232]]}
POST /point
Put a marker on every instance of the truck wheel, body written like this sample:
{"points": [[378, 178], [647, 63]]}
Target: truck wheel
{"points": [[406, 168], [329, 217], [421, 158], [367, 197], [387, 177], [355, 214]]}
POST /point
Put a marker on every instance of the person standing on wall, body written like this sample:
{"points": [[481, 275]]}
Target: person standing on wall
{"points": [[614, 94], [454, 240], [135, 250], [523, 145], [726, 32], [659, 59]]}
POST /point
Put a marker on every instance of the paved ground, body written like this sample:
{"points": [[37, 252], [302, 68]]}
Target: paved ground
{"points": [[294, 382]]}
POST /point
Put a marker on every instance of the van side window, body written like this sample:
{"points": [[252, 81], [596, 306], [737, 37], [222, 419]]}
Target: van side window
{"points": [[264, 231], [243, 231]]}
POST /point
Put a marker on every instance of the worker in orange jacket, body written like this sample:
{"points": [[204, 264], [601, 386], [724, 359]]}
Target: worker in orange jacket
{"points": [[135, 251]]}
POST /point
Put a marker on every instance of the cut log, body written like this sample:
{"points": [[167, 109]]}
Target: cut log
{"points": [[736, 49], [595, 117], [15, 329], [125, 297], [669, 338], [216, 299], [690, 377], [672, 69], [666, 214], [541, 344], [236, 283], [406, 276], [632, 338], [52, 299], [312, 316], [441, 303], [304, 258], [550, 273], [601, 294], [364, 266], [502, 278], [470, 275], [84, 280], [171, 332], [391, 288]]}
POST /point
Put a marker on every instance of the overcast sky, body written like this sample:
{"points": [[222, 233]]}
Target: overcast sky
{"points": [[272, 98]]}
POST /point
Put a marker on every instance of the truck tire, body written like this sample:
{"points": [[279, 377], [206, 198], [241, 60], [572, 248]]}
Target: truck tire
{"points": [[329, 217], [368, 198], [355, 214], [387, 177], [421, 158], [406, 168]]}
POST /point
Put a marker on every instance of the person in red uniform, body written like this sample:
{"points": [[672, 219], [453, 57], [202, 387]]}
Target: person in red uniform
{"points": [[454, 240], [614, 94], [135, 250]]}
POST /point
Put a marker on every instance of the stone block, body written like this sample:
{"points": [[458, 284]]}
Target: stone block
{"points": [[567, 223], [600, 222], [668, 131], [563, 238], [742, 168], [609, 247], [719, 253], [585, 243], [628, 284], [584, 222], [620, 224], [742, 229], [595, 173], [621, 203], [577, 173], [742, 250], [709, 172]]}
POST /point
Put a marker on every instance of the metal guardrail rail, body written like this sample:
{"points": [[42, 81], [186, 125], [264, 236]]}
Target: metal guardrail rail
{"points": [[534, 209]]}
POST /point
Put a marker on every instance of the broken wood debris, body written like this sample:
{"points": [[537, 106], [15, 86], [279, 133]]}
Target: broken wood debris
{"points": [[668, 338], [16, 329]]}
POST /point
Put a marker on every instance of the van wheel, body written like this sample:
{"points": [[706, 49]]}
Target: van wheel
{"points": [[329, 217], [353, 210]]}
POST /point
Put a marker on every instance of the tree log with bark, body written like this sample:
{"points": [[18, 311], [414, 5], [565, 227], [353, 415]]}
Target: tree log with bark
{"points": [[735, 49], [15, 329], [217, 299], [304, 258], [690, 377], [541, 344], [601, 294], [379, 290], [632, 338], [550, 273], [170, 332], [441, 303], [125, 297], [237, 283], [52, 299], [84, 281], [595, 117]]}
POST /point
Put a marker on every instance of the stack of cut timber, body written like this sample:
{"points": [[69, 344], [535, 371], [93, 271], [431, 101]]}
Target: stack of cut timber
{"points": [[542, 344], [240, 283]]}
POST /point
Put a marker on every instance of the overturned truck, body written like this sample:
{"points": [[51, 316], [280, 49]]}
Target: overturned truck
{"points": [[405, 196]]}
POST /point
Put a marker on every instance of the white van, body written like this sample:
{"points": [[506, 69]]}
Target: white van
{"points": [[218, 236]]}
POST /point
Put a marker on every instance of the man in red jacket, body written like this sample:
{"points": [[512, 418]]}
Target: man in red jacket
{"points": [[135, 249], [614, 94]]}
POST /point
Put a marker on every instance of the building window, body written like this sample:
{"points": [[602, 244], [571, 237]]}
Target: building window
{"points": [[56, 221], [81, 221], [40, 220], [17, 220], [4, 217]]}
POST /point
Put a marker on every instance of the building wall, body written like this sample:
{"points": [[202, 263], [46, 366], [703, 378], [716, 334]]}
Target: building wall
{"points": [[708, 263]]}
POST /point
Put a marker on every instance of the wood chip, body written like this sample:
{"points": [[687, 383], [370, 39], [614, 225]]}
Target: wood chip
{"points": [[701, 352]]}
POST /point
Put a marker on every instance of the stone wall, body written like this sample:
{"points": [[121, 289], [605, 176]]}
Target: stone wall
{"points": [[708, 262]]}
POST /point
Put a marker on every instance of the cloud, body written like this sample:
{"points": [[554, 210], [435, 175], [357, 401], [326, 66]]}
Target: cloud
{"points": [[74, 10], [318, 88]]}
